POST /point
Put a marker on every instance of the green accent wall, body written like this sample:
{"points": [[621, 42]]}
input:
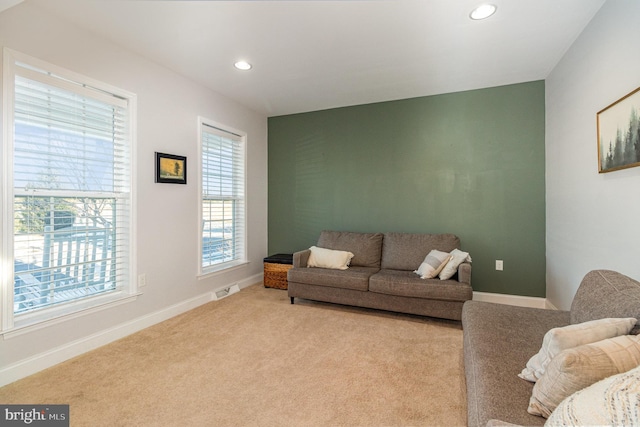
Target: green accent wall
{"points": [[468, 163]]}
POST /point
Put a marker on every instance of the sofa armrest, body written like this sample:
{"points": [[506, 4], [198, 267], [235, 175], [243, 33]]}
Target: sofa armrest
{"points": [[606, 293], [464, 273], [301, 258]]}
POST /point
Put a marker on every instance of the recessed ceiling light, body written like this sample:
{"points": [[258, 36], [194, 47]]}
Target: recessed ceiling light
{"points": [[483, 11], [242, 65]]}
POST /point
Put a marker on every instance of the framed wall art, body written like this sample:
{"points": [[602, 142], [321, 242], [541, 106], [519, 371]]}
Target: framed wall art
{"points": [[619, 134], [171, 169]]}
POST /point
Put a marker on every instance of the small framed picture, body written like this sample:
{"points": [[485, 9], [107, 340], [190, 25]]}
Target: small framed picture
{"points": [[171, 169], [619, 134]]}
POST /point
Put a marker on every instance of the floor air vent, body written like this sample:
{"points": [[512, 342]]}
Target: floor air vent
{"points": [[225, 292]]}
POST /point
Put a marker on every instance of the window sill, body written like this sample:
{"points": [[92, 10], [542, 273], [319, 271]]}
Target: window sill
{"points": [[56, 315], [223, 268]]}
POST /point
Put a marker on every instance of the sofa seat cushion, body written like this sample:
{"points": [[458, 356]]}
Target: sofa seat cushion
{"points": [[356, 278], [498, 341], [408, 284]]}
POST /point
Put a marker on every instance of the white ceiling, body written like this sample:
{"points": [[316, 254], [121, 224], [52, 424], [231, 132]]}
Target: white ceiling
{"points": [[312, 55]]}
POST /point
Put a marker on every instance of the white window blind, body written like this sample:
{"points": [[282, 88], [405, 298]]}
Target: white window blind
{"points": [[223, 197], [71, 162]]}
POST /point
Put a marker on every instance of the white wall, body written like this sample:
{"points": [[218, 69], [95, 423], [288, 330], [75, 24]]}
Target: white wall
{"points": [[593, 220], [167, 216]]}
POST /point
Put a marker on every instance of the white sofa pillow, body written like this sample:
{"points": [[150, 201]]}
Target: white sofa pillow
{"points": [[579, 367], [433, 264], [612, 401], [457, 258], [558, 339], [329, 258]]}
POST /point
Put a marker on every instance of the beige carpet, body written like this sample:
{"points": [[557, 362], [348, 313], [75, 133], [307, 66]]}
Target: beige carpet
{"points": [[253, 359]]}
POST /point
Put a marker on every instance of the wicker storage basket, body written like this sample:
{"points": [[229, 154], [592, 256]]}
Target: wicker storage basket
{"points": [[275, 270]]}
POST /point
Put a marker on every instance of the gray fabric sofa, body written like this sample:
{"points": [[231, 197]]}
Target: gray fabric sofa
{"points": [[381, 274], [500, 339]]}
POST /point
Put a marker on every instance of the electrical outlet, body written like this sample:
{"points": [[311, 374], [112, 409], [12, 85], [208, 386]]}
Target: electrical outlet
{"points": [[499, 265], [142, 280]]}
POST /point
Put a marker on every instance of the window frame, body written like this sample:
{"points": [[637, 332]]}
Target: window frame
{"points": [[11, 324], [241, 137]]}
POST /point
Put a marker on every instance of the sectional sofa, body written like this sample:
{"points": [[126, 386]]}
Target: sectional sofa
{"points": [[381, 274], [499, 340]]}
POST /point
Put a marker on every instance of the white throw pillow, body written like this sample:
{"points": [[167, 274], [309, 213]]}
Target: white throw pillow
{"points": [[558, 339], [432, 264], [329, 258], [579, 367], [457, 258], [614, 401]]}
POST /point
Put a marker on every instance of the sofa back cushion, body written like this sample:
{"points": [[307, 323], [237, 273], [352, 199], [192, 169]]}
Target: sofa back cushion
{"points": [[603, 294], [406, 251], [366, 247]]}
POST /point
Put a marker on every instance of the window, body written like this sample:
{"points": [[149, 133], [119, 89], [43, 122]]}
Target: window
{"points": [[68, 211], [222, 184]]}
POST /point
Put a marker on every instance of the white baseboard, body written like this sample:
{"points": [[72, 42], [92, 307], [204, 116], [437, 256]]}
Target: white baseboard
{"points": [[517, 300], [67, 351]]}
